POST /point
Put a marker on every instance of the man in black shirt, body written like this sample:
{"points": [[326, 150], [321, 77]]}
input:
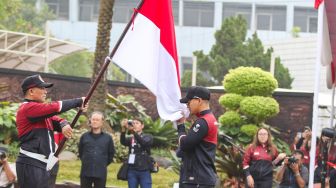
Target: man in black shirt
{"points": [[139, 153], [199, 144], [96, 151]]}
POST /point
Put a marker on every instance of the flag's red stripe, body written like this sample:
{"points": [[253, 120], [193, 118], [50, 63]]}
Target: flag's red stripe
{"points": [[317, 3], [161, 14]]}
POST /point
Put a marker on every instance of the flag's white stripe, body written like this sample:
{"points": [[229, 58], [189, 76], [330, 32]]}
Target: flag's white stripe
{"points": [[138, 53], [326, 55], [168, 91], [142, 55]]}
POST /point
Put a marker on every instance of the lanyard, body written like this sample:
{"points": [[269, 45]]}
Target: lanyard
{"points": [[132, 144]]}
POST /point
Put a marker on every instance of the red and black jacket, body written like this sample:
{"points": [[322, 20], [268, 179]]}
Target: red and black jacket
{"points": [[35, 124], [257, 162], [199, 150]]}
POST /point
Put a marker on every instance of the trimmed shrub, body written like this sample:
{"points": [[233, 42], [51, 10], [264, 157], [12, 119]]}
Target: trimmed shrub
{"points": [[259, 108], [249, 81], [249, 129], [230, 119], [230, 101]]}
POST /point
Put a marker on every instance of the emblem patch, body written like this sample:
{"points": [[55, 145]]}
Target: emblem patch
{"points": [[196, 128]]}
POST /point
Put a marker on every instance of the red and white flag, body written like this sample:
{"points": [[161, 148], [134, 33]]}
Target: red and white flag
{"points": [[148, 52], [317, 3]]}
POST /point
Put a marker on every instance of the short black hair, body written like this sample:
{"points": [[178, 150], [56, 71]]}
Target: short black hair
{"points": [[298, 152], [139, 119]]}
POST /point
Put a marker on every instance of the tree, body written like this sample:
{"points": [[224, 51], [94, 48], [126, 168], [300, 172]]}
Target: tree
{"points": [[81, 64], [231, 50], [102, 50], [22, 16], [248, 103], [200, 79]]}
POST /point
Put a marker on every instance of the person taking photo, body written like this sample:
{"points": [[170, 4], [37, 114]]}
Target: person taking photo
{"points": [[139, 150], [292, 173]]}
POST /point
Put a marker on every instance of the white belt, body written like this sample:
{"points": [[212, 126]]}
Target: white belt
{"points": [[37, 156]]}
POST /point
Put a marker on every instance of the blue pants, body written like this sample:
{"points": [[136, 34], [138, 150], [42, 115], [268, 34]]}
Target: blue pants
{"points": [[136, 178]]}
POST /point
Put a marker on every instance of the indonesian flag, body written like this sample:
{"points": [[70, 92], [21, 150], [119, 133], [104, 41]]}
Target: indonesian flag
{"points": [[317, 3], [148, 52]]}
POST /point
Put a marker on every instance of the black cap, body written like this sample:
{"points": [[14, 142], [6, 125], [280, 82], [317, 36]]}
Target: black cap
{"points": [[34, 81], [195, 92]]}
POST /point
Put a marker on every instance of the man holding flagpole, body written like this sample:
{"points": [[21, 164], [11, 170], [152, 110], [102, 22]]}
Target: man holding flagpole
{"points": [[199, 144]]}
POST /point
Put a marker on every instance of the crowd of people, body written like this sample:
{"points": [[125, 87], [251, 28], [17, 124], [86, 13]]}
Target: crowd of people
{"points": [[38, 123]]}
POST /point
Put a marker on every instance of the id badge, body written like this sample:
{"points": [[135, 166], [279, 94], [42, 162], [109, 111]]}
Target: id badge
{"points": [[131, 159]]}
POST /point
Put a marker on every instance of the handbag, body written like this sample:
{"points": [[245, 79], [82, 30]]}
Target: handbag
{"points": [[123, 170], [154, 166]]}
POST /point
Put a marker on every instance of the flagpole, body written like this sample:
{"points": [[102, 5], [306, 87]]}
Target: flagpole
{"points": [[100, 75], [316, 96]]}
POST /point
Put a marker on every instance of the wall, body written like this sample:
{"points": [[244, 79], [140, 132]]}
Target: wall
{"points": [[295, 107]]}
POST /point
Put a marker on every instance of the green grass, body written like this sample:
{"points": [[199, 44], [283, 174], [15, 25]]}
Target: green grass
{"points": [[69, 171]]}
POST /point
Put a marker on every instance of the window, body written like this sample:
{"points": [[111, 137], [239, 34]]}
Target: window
{"points": [[123, 10], [264, 21], [186, 63], [312, 24], [60, 8], [176, 11], [198, 14], [88, 10], [235, 9], [306, 19], [271, 18]]}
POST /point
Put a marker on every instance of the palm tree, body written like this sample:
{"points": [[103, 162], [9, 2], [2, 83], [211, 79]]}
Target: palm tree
{"points": [[102, 50]]}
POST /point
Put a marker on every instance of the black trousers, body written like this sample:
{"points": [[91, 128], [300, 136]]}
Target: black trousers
{"points": [[91, 182], [29, 176], [261, 184]]}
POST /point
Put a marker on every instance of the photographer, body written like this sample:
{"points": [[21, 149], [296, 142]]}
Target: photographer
{"points": [[325, 169], [7, 170], [292, 174], [302, 142], [139, 145]]}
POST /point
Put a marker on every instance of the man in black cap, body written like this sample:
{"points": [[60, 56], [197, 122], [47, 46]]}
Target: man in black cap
{"points": [[7, 170], [199, 144], [36, 121]]}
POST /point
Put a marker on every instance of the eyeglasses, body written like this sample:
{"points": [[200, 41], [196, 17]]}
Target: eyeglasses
{"points": [[195, 97], [263, 134]]}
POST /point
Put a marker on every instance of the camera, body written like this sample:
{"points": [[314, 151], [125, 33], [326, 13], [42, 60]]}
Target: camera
{"points": [[328, 132], [130, 122], [292, 160], [2, 155]]}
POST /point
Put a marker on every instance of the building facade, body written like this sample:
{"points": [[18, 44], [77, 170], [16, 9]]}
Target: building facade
{"points": [[195, 22]]}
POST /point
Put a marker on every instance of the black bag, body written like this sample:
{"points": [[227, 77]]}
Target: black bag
{"points": [[123, 170], [154, 167]]}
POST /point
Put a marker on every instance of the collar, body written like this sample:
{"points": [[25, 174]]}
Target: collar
{"points": [[202, 113], [96, 134], [29, 100]]}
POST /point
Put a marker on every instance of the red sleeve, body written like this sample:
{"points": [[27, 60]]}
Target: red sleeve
{"points": [[276, 153], [58, 123], [57, 119], [37, 110], [247, 156]]}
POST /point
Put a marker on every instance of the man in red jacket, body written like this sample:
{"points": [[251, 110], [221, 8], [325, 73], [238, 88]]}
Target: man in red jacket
{"points": [[36, 121]]}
